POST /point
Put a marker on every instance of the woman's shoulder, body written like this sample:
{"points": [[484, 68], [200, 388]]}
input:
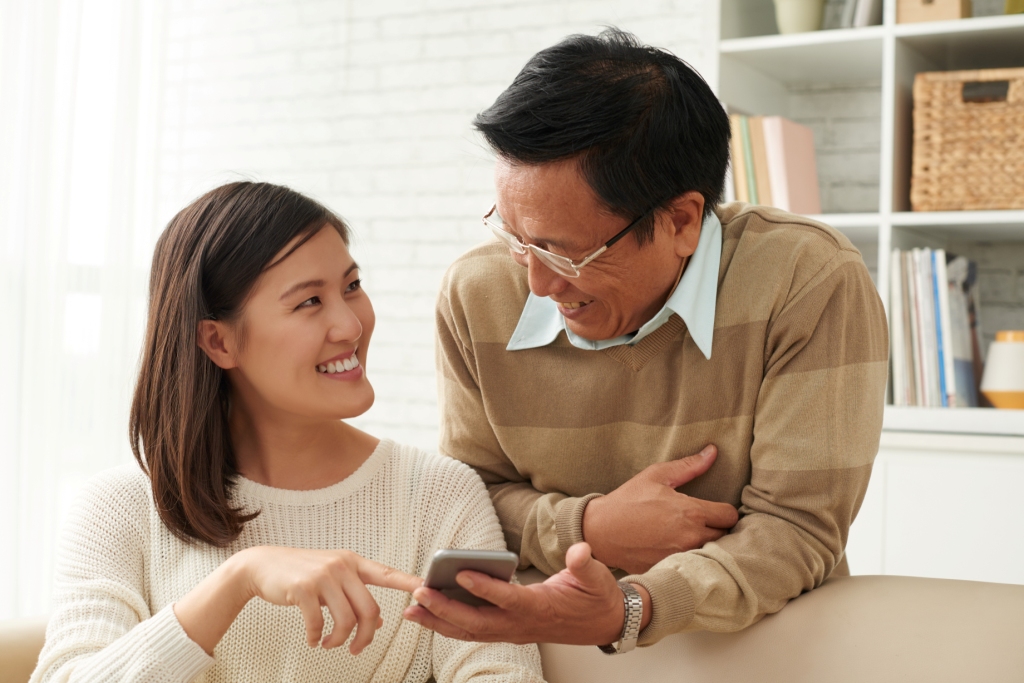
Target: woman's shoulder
{"points": [[127, 482], [120, 495], [109, 518], [435, 474]]}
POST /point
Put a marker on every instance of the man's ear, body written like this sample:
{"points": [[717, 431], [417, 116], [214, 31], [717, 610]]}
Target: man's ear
{"points": [[687, 213], [216, 341]]}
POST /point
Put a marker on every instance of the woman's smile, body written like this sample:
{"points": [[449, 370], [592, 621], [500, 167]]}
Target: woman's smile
{"points": [[344, 367]]}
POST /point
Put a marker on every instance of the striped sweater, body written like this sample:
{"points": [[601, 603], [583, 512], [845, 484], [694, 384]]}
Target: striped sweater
{"points": [[792, 396]]}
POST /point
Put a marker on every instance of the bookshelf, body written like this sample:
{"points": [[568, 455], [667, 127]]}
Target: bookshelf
{"points": [[758, 72], [945, 481]]}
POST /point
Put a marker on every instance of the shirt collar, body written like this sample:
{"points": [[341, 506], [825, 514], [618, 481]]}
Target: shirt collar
{"points": [[693, 300]]}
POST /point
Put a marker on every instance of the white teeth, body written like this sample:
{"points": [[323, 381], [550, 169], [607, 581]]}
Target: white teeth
{"points": [[346, 365]]}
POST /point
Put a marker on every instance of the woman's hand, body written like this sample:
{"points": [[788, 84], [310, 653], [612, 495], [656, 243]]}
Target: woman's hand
{"points": [[336, 579], [307, 579]]}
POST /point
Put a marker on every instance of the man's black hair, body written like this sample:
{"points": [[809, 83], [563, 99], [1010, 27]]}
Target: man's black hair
{"points": [[644, 125]]}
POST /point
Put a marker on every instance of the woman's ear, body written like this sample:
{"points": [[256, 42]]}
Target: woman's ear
{"points": [[215, 339]]}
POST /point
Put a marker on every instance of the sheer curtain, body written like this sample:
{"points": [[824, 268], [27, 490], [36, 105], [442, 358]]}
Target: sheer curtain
{"points": [[79, 89]]}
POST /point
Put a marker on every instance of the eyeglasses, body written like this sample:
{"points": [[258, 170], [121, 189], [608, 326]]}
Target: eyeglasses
{"points": [[562, 265]]}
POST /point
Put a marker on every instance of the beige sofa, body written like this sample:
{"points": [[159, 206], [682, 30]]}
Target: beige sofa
{"points": [[865, 629]]}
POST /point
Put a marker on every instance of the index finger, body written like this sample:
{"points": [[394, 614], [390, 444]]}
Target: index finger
{"points": [[719, 515], [377, 574]]}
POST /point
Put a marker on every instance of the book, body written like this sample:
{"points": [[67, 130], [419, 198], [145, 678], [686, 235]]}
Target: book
{"points": [[739, 165], [748, 160], [896, 345], [773, 163], [867, 13], [908, 340], [933, 329], [960, 331], [973, 297], [945, 327], [928, 351], [791, 166], [849, 11], [760, 157], [940, 341], [832, 14]]}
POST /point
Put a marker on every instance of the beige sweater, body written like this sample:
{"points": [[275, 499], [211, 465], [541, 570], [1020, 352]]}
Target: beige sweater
{"points": [[792, 396], [120, 570]]}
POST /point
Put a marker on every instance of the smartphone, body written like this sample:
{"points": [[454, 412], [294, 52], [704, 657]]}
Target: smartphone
{"points": [[446, 564]]}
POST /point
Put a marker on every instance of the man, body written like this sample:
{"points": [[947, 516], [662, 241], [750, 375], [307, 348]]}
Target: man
{"points": [[622, 321]]}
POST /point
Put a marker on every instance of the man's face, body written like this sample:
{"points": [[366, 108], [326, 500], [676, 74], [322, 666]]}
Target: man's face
{"points": [[551, 206]]}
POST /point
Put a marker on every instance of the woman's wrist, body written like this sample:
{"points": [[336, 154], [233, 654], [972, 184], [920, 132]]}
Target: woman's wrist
{"points": [[208, 610]]}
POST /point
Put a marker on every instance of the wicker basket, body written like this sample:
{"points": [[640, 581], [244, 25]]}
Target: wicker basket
{"points": [[968, 140]]}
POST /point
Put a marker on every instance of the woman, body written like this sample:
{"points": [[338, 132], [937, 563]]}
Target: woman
{"points": [[251, 486]]}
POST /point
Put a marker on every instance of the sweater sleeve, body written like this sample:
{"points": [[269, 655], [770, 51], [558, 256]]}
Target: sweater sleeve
{"points": [[473, 525], [538, 526], [101, 628], [817, 423]]}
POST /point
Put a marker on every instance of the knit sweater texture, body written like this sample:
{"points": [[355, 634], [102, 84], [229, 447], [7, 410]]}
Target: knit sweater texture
{"points": [[120, 570], [792, 396]]}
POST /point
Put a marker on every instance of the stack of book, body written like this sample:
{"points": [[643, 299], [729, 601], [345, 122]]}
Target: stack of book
{"points": [[773, 163], [935, 340], [852, 13]]}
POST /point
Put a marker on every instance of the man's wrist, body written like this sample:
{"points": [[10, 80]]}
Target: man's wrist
{"points": [[574, 531], [633, 613], [589, 527], [648, 605]]}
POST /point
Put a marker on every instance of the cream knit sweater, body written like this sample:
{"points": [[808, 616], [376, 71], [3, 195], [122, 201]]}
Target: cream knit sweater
{"points": [[120, 571]]}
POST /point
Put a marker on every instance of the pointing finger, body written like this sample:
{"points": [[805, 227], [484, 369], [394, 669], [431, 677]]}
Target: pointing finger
{"points": [[377, 574]]}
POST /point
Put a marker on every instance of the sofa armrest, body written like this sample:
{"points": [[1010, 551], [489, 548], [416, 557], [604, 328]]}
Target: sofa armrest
{"points": [[21, 640], [850, 630]]}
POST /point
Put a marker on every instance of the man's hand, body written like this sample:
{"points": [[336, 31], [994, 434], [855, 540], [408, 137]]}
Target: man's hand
{"points": [[645, 520], [581, 605]]}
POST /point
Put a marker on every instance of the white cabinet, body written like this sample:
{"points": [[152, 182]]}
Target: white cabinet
{"points": [[943, 506]]}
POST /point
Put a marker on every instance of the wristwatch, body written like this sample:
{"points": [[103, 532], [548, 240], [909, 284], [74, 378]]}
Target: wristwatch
{"points": [[631, 624]]}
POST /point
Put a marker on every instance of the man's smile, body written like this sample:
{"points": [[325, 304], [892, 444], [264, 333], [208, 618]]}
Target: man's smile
{"points": [[573, 304]]}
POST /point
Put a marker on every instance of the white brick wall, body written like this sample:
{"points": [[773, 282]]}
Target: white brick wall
{"points": [[367, 106]]}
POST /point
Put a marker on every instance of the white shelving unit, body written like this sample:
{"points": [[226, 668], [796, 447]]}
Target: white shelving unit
{"points": [[967, 456], [758, 68]]}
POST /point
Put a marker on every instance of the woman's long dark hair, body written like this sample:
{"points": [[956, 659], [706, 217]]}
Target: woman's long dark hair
{"points": [[204, 267]]}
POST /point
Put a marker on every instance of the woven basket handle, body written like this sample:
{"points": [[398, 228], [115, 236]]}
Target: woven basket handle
{"points": [[977, 92]]}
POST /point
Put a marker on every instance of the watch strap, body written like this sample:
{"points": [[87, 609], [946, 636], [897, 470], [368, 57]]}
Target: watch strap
{"points": [[634, 612]]}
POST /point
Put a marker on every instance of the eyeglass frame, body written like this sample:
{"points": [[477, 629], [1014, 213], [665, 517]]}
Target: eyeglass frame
{"points": [[512, 242]]}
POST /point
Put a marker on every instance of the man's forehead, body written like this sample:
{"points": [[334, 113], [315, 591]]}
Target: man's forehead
{"points": [[549, 202]]}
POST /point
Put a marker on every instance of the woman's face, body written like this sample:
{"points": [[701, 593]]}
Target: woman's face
{"points": [[299, 345]]}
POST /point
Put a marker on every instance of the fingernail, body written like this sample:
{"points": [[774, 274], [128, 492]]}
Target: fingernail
{"points": [[425, 600], [464, 581], [706, 452]]}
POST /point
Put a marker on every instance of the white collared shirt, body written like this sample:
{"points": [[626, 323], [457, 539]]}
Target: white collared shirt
{"points": [[693, 300]]}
